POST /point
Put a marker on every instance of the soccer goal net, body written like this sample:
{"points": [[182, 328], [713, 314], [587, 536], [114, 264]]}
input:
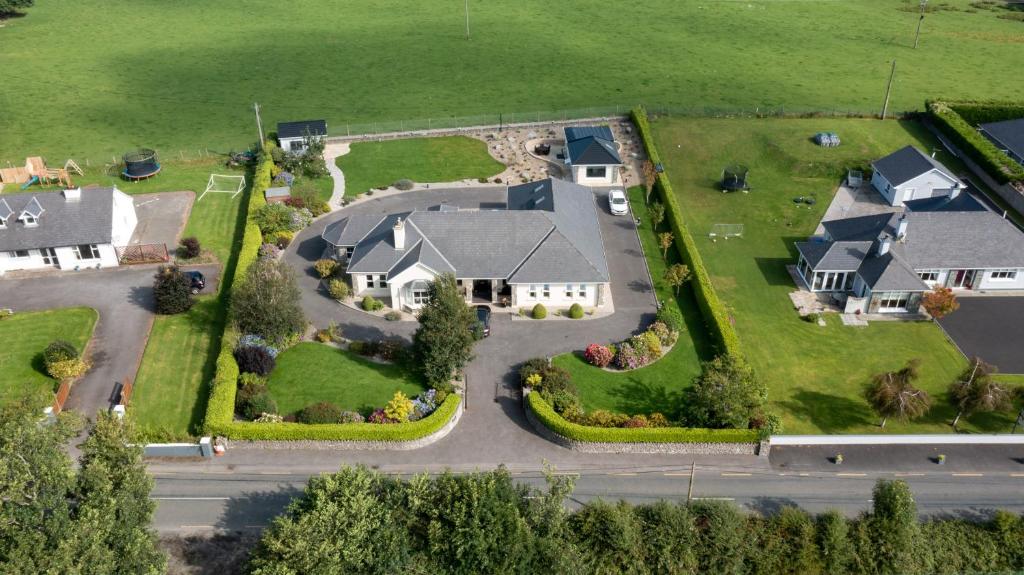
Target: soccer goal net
{"points": [[725, 231], [220, 184]]}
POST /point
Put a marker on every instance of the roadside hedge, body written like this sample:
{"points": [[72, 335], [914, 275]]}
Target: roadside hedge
{"points": [[951, 118], [715, 314], [558, 424]]}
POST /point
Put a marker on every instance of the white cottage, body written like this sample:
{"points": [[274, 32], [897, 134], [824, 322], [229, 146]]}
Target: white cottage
{"points": [[592, 155], [909, 174], [72, 229], [544, 247], [292, 135]]}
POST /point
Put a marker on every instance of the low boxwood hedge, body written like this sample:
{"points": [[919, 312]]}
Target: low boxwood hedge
{"points": [[558, 424], [711, 307], [408, 431], [964, 134]]}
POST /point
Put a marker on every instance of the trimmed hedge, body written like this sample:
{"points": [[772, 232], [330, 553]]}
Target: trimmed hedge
{"points": [[558, 424], [407, 431], [949, 118], [714, 312]]}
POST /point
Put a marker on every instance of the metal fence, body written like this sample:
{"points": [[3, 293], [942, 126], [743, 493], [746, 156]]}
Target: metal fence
{"points": [[142, 254]]}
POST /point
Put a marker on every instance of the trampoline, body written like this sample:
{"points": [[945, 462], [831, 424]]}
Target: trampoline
{"points": [[734, 178], [140, 164]]}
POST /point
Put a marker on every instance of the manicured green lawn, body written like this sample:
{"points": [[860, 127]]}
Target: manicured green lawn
{"points": [[373, 164], [312, 372], [815, 375], [658, 387], [185, 76], [25, 335], [171, 385]]}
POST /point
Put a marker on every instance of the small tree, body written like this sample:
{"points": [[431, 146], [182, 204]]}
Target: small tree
{"points": [[190, 247], [665, 241], [725, 394], [676, 275], [940, 302], [172, 291], [267, 302], [894, 531], [892, 394], [399, 408], [650, 176], [443, 343], [657, 210], [975, 391]]}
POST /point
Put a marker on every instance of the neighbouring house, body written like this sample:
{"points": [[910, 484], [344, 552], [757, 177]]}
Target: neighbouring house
{"points": [[72, 229], [1008, 136], [544, 247], [909, 174], [292, 135], [883, 263], [592, 155]]}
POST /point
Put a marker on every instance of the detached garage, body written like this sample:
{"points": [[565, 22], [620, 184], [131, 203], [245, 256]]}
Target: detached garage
{"points": [[909, 174]]}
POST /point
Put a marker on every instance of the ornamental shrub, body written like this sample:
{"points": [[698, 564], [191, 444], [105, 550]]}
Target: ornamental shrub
{"points": [[653, 343], [273, 218], [404, 184], [399, 408], [254, 359], [389, 349], [539, 311], [190, 248], [576, 311], [338, 289], [532, 366], [635, 422], [59, 350], [534, 380], [325, 267], [566, 404], [269, 251], [369, 303], [666, 336], [351, 417], [657, 420], [393, 315], [329, 334], [269, 418], [253, 400], [378, 416], [323, 412], [283, 239], [597, 354], [671, 317], [253, 339], [605, 418], [67, 369], [635, 352]]}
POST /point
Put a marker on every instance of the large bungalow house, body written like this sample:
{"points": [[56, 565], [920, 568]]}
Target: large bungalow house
{"points": [[1008, 136], [909, 174], [73, 229], [544, 247], [292, 135], [592, 156], [885, 262]]}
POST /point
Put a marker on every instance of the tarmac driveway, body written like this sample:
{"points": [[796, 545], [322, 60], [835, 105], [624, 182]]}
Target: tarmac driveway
{"points": [[991, 328], [493, 426]]}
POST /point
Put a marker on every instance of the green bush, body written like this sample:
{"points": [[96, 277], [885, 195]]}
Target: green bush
{"points": [[59, 350], [949, 118], [67, 369], [539, 311], [323, 412], [325, 267], [711, 307], [393, 315], [670, 315], [338, 289], [371, 304], [404, 184], [576, 311], [558, 424]]}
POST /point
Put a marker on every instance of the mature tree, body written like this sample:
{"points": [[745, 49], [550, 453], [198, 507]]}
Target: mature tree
{"points": [[172, 290], [54, 521], [833, 535], [721, 536], [608, 537], [892, 394], [665, 241], [8, 7], [657, 210], [444, 341], [976, 391], [725, 394], [267, 302], [894, 530], [940, 302], [676, 275], [650, 176]]}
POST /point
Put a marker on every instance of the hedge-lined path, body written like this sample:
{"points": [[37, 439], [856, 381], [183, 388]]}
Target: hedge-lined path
{"points": [[331, 153], [493, 428]]}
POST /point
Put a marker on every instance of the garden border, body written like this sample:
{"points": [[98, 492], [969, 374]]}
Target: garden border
{"points": [[946, 116]]}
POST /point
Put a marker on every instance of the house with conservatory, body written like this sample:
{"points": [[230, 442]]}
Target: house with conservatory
{"points": [[544, 246], [884, 263]]}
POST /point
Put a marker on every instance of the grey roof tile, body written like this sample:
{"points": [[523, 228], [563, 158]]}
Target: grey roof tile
{"points": [[62, 223], [889, 273], [908, 163], [591, 145], [348, 231], [300, 128], [1009, 134]]}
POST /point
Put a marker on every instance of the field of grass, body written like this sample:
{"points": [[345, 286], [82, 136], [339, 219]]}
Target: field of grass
{"points": [[373, 164], [313, 372], [25, 335], [815, 375], [185, 77], [658, 387]]}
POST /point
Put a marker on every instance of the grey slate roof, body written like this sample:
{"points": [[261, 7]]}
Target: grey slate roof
{"points": [[835, 256], [1008, 134], [963, 202], [556, 240], [300, 128], [890, 273], [348, 231], [61, 223], [5, 209], [908, 163], [591, 145], [861, 228]]}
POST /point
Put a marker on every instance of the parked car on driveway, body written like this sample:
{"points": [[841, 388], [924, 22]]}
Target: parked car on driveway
{"points": [[483, 320], [197, 281], [617, 203]]}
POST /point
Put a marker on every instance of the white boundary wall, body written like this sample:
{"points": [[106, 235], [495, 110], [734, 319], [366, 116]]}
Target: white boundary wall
{"points": [[951, 439]]}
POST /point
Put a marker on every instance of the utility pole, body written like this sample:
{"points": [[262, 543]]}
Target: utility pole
{"points": [[689, 491], [467, 19], [259, 123], [888, 90], [917, 37]]}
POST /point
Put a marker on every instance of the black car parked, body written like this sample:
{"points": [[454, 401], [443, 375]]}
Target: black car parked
{"points": [[483, 319], [197, 281]]}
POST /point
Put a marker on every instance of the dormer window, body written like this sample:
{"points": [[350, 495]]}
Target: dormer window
{"points": [[29, 220], [30, 215], [5, 213]]}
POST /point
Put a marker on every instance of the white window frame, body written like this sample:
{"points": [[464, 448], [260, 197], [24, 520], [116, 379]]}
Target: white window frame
{"points": [[583, 291], [420, 296], [568, 291], [14, 254], [382, 281], [603, 171], [369, 281], [29, 220], [533, 292], [929, 275], [546, 292], [94, 252], [1003, 275]]}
